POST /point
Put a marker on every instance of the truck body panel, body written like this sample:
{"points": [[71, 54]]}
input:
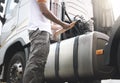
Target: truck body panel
{"points": [[112, 48]]}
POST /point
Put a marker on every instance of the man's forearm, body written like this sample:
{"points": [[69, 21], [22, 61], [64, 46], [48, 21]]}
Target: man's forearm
{"points": [[49, 15], [53, 18]]}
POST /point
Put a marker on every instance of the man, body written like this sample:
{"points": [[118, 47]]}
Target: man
{"points": [[39, 30]]}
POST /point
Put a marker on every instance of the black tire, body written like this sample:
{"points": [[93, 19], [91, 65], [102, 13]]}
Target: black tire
{"points": [[118, 62], [16, 68]]}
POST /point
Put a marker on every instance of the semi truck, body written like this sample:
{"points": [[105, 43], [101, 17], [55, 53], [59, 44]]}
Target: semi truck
{"points": [[84, 58]]}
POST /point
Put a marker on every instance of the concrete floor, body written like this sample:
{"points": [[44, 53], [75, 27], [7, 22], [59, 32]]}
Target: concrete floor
{"points": [[110, 81]]}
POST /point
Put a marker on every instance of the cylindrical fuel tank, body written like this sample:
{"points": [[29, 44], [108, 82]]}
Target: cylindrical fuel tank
{"points": [[76, 58]]}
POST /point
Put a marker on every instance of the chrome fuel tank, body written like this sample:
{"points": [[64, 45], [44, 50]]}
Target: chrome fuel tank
{"points": [[76, 58]]}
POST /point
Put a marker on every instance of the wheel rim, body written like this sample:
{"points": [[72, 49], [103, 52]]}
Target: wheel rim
{"points": [[16, 72]]}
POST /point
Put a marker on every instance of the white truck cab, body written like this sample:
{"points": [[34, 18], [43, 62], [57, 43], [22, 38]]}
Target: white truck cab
{"points": [[70, 59]]}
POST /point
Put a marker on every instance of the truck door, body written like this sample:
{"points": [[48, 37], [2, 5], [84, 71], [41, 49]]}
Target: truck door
{"points": [[55, 7], [11, 18]]}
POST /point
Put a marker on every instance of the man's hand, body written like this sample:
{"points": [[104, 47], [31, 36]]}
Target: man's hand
{"points": [[66, 27]]}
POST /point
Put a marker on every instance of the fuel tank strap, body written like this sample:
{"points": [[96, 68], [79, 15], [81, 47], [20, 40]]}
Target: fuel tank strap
{"points": [[57, 60], [75, 57]]}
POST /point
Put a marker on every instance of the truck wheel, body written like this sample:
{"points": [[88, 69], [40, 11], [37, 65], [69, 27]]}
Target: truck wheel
{"points": [[118, 59], [16, 68]]}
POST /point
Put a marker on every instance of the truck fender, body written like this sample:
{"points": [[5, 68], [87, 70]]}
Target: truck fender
{"points": [[111, 48]]}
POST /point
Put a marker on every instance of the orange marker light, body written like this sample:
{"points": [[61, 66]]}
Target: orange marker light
{"points": [[99, 52]]}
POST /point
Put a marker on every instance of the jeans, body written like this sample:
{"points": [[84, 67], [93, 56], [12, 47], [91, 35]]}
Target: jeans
{"points": [[34, 71]]}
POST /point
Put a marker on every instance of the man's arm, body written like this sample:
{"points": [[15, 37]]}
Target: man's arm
{"points": [[49, 15]]}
